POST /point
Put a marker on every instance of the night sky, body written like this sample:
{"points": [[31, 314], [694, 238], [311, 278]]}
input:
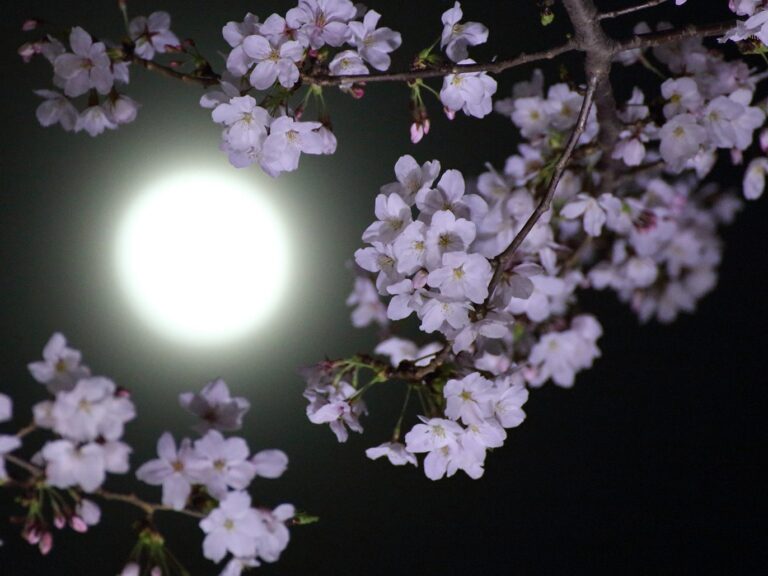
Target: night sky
{"points": [[650, 464]]}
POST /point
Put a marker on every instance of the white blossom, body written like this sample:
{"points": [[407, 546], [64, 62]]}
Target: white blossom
{"points": [[60, 368], [88, 66], [215, 407], [457, 36], [232, 527], [374, 44], [152, 34]]}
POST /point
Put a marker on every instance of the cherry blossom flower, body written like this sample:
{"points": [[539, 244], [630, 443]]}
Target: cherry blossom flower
{"points": [[395, 452], [462, 276], [95, 120], [470, 92], [88, 66], [176, 470], [226, 464], [273, 62], [286, 141], [456, 37], [152, 34], [238, 62], [215, 407], [369, 308], [232, 527], [275, 537], [374, 44], [60, 368], [320, 22], [69, 465], [91, 410], [56, 109], [469, 399]]}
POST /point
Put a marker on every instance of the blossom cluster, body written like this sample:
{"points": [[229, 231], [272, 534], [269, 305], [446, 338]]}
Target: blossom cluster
{"points": [[97, 71], [222, 467], [88, 413], [207, 477], [274, 54], [439, 250]]}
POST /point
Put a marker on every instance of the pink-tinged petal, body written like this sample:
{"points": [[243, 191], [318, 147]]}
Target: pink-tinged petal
{"points": [[80, 41], [159, 21], [154, 472], [257, 47], [215, 546], [166, 447], [176, 490], [66, 66], [264, 75]]}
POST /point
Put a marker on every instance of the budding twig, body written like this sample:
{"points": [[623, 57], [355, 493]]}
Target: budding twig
{"points": [[630, 9]]}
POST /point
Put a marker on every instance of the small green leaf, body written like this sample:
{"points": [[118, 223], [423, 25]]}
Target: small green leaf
{"points": [[302, 519]]}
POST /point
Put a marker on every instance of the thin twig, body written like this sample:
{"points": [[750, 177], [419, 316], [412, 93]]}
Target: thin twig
{"points": [[630, 10], [410, 75], [203, 81], [147, 507], [28, 429], [505, 258], [31, 468]]}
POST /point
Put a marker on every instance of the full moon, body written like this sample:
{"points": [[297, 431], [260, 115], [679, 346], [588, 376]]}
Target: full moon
{"points": [[202, 257]]}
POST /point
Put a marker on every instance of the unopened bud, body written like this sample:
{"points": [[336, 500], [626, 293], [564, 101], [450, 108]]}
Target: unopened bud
{"points": [[78, 524], [30, 25], [32, 536], [59, 521], [764, 140], [46, 543]]}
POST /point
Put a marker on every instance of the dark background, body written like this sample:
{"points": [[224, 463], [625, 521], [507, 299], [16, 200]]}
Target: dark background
{"points": [[651, 464]]}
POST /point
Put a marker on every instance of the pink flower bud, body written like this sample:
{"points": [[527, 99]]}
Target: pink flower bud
{"points": [[32, 536], [156, 571], [450, 114], [59, 521], [737, 157], [30, 25], [417, 132], [46, 543], [357, 92], [764, 140], [78, 524], [28, 50]]}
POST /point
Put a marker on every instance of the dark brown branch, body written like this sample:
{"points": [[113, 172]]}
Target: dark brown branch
{"points": [[148, 507], [630, 10], [203, 81], [492, 67], [505, 258], [644, 41]]}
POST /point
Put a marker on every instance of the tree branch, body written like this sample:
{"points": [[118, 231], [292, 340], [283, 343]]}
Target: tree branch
{"points": [[630, 10], [506, 257], [204, 81], [643, 41], [492, 67], [148, 507]]}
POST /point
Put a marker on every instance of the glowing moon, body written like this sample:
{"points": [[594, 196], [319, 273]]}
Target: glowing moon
{"points": [[202, 257]]}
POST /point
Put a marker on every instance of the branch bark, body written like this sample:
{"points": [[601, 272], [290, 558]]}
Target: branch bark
{"points": [[506, 257], [630, 9]]}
